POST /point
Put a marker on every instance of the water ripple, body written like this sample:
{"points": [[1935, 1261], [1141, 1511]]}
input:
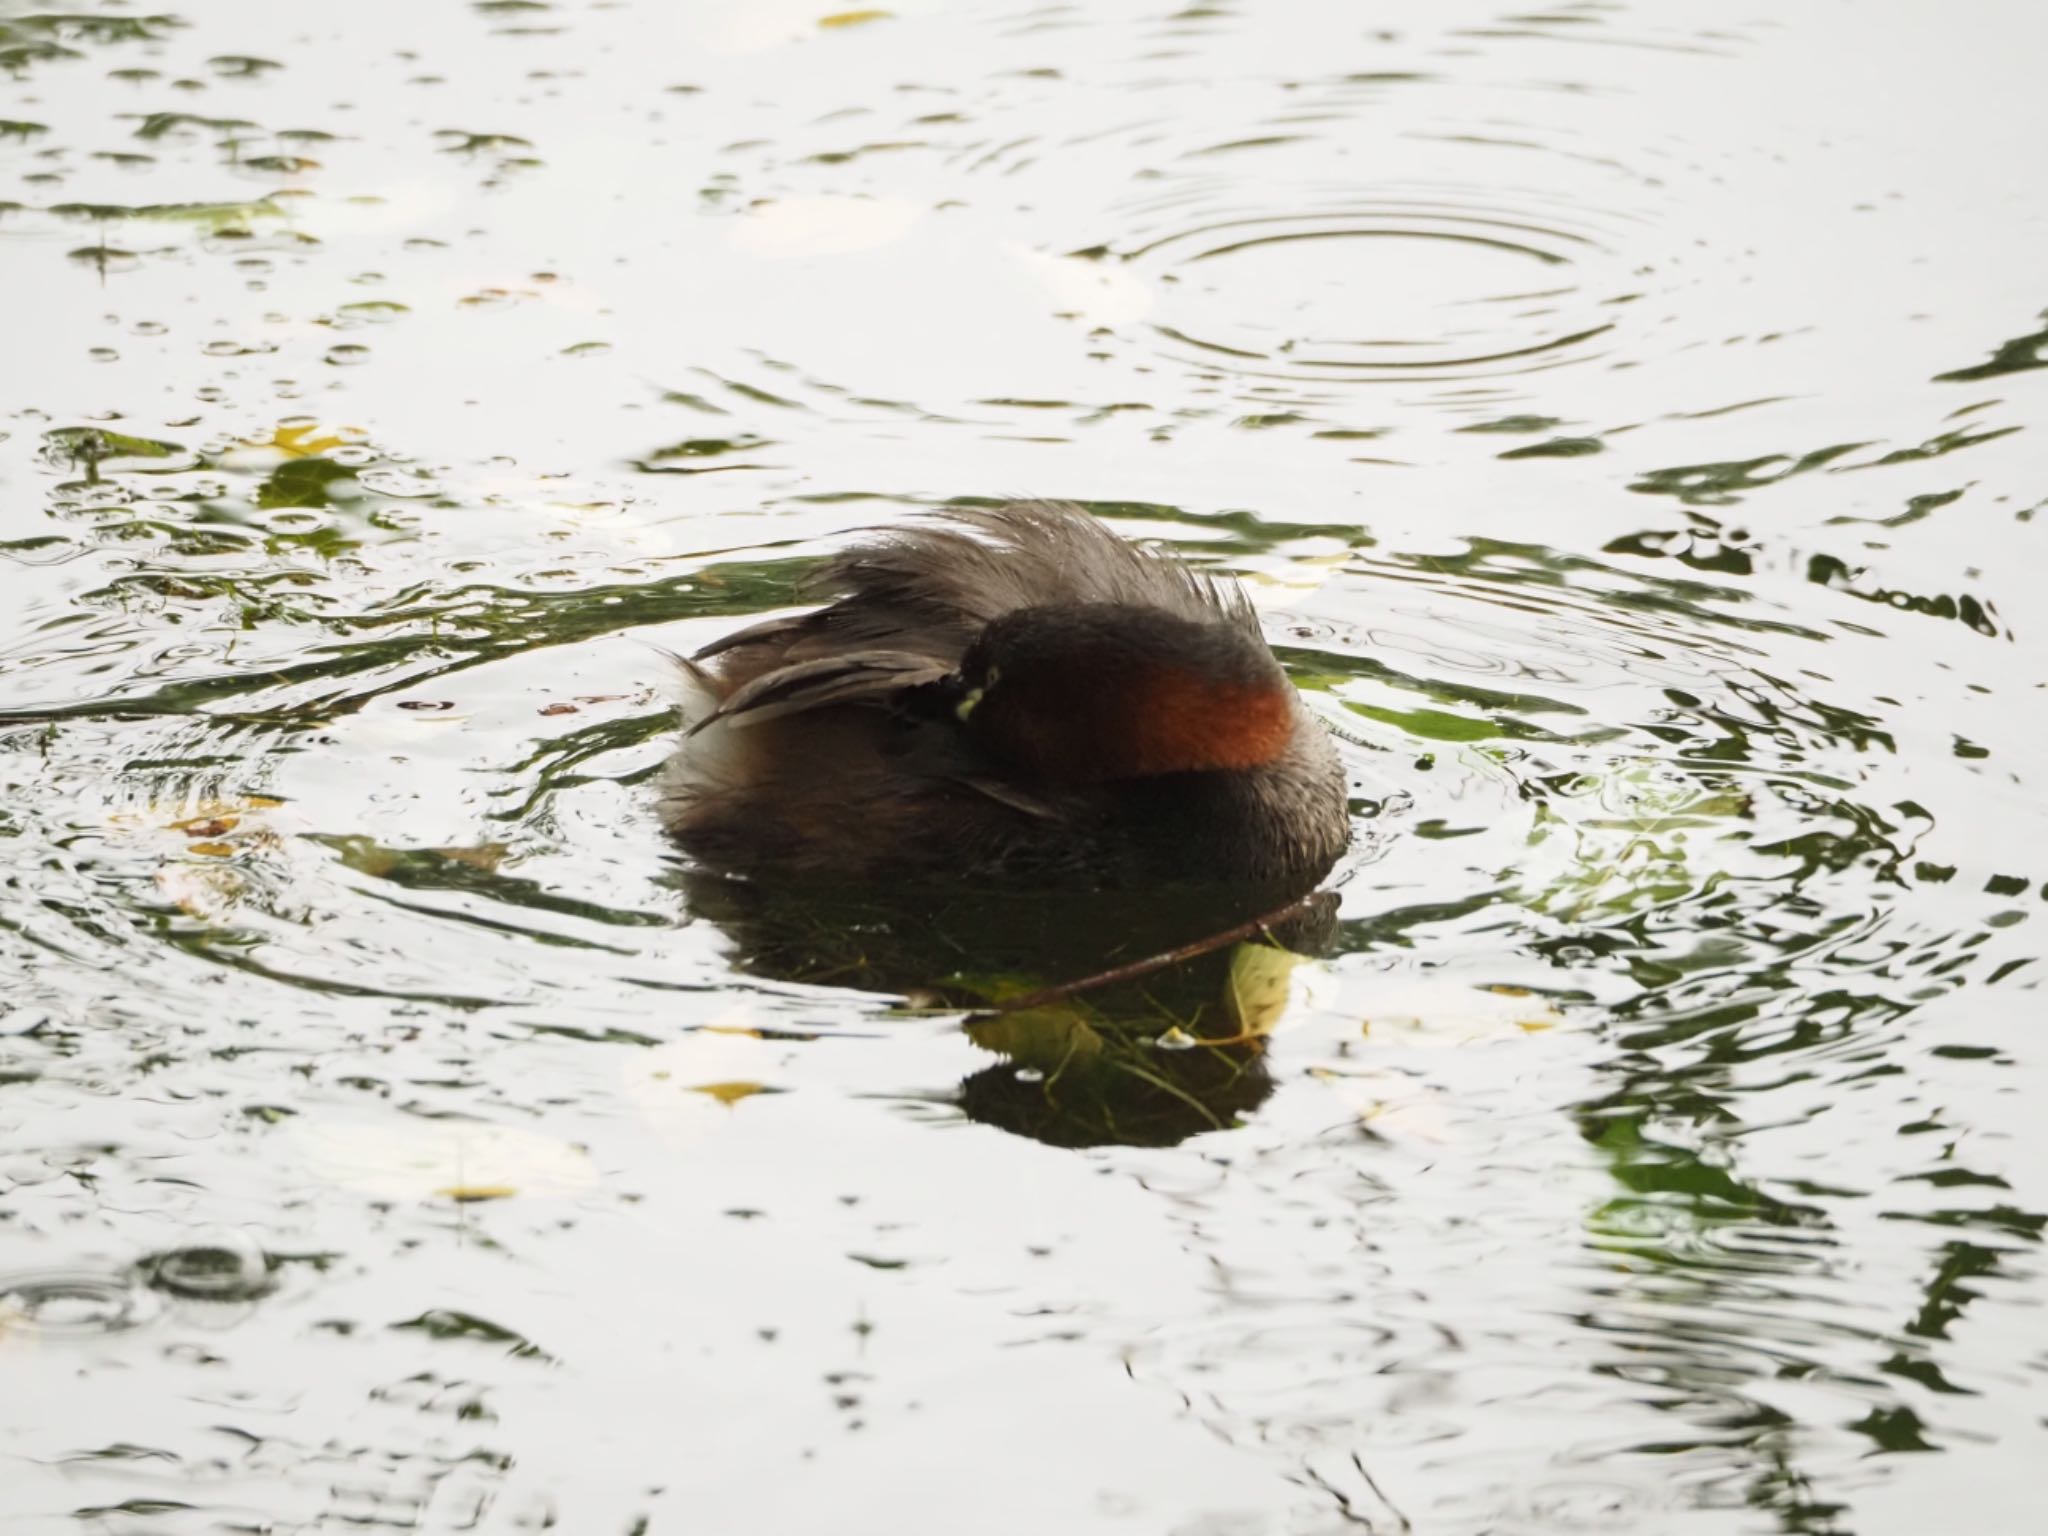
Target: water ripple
{"points": [[1441, 284], [74, 1302]]}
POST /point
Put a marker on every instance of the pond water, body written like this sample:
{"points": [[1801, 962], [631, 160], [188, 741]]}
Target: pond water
{"points": [[1627, 418]]}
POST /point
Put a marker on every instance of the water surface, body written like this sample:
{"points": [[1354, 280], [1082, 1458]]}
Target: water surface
{"points": [[1626, 418]]}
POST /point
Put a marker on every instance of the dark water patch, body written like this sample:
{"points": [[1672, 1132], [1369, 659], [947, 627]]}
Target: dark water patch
{"points": [[1724, 484], [475, 871], [2022, 354], [1558, 448], [1514, 424], [158, 125], [1936, 447], [241, 66], [1917, 509], [1973, 612], [443, 1324], [1707, 548]]}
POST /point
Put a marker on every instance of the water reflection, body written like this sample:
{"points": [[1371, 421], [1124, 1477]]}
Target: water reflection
{"points": [[1172, 1053]]}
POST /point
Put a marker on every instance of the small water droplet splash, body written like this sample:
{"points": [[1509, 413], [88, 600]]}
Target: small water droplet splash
{"points": [[221, 1265], [73, 1302]]}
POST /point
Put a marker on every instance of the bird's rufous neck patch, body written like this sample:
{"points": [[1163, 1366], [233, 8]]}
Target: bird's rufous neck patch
{"points": [[1174, 722]]}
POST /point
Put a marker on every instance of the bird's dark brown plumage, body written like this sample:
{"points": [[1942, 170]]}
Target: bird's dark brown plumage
{"points": [[1010, 693]]}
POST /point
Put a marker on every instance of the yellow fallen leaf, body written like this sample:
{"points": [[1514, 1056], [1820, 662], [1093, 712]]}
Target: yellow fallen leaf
{"points": [[854, 18], [686, 1088], [729, 1093], [469, 1194]]}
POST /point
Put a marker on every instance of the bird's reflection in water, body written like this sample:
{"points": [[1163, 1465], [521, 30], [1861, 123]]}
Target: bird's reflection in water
{"points": [[1144, 1062]]}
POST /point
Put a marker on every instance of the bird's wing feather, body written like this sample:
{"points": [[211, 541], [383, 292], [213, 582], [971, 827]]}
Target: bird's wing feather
{"points": [[850, 677]]}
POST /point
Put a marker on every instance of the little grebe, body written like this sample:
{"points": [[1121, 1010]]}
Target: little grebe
{"points": [[1013, 693]]}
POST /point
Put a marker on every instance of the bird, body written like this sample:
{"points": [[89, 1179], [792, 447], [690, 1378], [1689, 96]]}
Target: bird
{"points": [[1005, 694]]}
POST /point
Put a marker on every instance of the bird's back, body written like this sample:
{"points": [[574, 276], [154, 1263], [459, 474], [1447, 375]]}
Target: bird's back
{"points": [[930, 588]]}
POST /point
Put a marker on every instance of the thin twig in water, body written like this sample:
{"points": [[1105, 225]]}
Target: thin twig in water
{"points": [[1254, 927]]}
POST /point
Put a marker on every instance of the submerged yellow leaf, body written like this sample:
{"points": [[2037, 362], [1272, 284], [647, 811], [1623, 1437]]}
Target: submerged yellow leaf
{"points": [[484, 856], [1259, 988], [298, 440], [1045, 1038], [213, 829], [197, 879], [854, 18]]}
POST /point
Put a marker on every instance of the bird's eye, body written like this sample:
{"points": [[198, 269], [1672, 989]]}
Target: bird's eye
{"points": [[973, 695]]}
